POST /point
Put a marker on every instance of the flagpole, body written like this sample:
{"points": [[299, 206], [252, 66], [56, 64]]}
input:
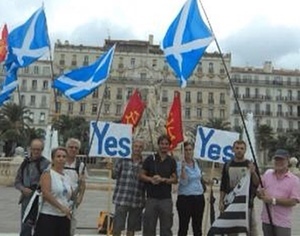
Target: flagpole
{"points": [[211, 175], [241, 114]]}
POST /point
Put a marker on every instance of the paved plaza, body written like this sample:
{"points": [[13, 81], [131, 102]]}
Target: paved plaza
{"points": [[96, 200]]}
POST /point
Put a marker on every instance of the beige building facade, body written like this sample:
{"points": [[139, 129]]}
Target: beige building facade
{"points": [[141, 65]]}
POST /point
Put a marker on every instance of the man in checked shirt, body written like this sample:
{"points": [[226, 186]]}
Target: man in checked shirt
{"points": [[129, 194]]}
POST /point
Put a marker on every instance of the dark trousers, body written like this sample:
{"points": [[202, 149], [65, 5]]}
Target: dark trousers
{"points": [[49, 225], [190, 207]]}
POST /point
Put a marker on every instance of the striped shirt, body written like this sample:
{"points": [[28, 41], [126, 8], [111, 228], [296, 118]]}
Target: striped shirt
{"points": [[129, 190]]}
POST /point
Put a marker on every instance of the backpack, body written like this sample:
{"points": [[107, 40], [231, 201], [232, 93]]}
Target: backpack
{"points": [[76, 168]]}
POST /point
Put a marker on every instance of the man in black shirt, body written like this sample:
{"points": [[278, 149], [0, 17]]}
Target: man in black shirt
{"points": [[159, 173]]}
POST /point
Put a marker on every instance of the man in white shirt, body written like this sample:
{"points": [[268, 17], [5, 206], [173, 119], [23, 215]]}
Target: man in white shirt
{"points": [[76, 170]]}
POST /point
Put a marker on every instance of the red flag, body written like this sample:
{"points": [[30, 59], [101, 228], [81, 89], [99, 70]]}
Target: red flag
{"points": [[174, 122], [134, 109], [3, 43]]}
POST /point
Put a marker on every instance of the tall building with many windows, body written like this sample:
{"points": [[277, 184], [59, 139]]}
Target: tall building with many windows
{"points": [[272, 96], [141, 64], [34, 90]]}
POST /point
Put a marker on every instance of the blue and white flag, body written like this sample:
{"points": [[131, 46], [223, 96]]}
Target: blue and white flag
{"points": [[186, 40], [81, 82], [26, 44]]}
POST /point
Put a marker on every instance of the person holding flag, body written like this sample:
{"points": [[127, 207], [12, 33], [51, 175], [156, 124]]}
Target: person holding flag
{"points": [[281, 191], [190, 201], [232, 173]]}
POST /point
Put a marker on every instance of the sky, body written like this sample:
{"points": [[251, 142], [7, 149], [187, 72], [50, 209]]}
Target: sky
{"points": [[253, 31]]}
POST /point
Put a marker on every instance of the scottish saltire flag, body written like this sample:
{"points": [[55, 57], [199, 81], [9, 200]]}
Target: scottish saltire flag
{"points": [[28, 42], [186, 40], [81, 82], [235, 218], [25, 44]]}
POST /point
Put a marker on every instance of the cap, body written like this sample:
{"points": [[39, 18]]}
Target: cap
{"points": [[281, 153]]}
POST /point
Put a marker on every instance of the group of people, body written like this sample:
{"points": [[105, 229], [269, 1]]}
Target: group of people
{"points": [[143, 191], [62, 186]]}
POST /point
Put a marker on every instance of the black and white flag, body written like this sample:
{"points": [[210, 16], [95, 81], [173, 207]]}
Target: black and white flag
{"points": [[235, 217]]}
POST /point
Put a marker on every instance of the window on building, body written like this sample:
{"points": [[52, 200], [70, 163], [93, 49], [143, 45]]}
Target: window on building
{"points": [[74, 60], [32, 100], [257, 108], [222, 113], [279, 124], [211, 98], [86, 60], [129, 92], [298, 95], [211, 68], [279, 109], [291, 125], [187, 96], [26, 70], [143, 76], [107, 93], [24, 85], [34, 84], [46, 70], [70, 107], [257, 92], [268, 109], [106, 108], [95, 94], [247, 92], [62, 60], [45, 85], [132, 62], [44, 101], [58, 104], [268, 122], [289, 81], [82, 108], [165, 96], [222, 98], [199, 67], [23, 101], [199, 113], [154, 63], [211, 113], [119, 94], [199, 97], [290, 95], [36, 70], [94, 108], [290, 110], [187, 113], [118, 109]]}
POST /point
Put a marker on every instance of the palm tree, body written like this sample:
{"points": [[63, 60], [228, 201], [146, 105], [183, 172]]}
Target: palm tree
{"points": [[218, 123], [14, 121], [75, 127], [264, 140]]}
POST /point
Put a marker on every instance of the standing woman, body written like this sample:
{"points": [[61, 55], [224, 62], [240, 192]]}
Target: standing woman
{"points": [[55, 214], [190, 200]]}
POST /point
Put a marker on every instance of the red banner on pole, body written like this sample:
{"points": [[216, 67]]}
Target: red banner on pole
{"points": [[3, 43], [174, 122], [134, 109]]}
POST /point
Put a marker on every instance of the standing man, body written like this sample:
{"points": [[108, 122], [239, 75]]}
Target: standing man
{"points": [[129, 194], [27, 180], [281, 191], [159, 173], [232, 173], [76, 170]]}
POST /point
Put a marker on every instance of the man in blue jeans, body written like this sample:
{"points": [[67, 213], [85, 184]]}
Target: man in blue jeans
{"points": [[159, 173]]}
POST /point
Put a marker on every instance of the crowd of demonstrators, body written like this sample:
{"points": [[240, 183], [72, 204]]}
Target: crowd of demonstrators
{"points": [[55, 214], [190, 201], [232, 173], [159, 173], [76, 170], [28, 178], [281, 192], [129, 194]]}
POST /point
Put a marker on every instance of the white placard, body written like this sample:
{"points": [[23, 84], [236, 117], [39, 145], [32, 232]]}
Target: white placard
{"points": [[214, 145], [110, 139]]}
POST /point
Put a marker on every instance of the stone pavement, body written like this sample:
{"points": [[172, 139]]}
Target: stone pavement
{"points": [[95, 200]]}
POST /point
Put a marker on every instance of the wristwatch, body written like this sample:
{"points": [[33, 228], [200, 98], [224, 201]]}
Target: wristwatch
{"points": [[274, 201]]}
